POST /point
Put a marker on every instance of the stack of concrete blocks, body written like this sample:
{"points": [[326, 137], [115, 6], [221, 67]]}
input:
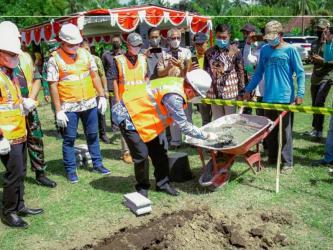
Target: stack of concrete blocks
{"points": [[137, 203], [82, 155]]}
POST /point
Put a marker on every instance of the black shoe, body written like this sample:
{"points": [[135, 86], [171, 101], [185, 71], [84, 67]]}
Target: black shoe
{"points": [[30, 211], [42, 180], [13, 220], [105, 139], [314, 134], [174, 147], [143, 192], [166, 188]]}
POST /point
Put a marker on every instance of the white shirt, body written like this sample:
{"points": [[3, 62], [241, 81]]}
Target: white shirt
{"points": [[184, 55]]}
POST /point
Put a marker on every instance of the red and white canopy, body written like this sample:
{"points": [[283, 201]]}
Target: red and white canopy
{"points": [[99, 24]]}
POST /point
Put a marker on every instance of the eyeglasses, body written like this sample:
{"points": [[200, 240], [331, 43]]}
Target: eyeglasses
{"points": [[175, 38]]}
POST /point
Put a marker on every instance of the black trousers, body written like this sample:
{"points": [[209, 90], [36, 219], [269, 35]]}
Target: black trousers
{"points": [[272, 140], [112, 101], [260, 111], [140, 152], [101, 122], [318, 94], [15, 163], [206, 113]]}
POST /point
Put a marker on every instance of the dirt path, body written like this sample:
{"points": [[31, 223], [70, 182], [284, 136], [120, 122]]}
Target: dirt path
{"points": [[203, 229]]}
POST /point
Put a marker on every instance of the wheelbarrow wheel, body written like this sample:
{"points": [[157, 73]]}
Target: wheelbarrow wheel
{"points": [[213, 182]]}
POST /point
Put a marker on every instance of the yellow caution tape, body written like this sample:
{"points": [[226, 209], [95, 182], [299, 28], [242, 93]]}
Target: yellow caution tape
{"points": [[271, 106]]}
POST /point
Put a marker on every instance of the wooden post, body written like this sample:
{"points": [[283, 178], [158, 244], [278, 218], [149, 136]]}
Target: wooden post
{"points": [[278, 166]]}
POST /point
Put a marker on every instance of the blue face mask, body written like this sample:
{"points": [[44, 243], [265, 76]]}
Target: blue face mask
{"points": [[222, 43], [275, 42]]}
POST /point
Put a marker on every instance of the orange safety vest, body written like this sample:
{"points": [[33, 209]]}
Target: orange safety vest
{"points": [[12, 119], [27, 66], [75, 82], [145, 107], [129, 74]]}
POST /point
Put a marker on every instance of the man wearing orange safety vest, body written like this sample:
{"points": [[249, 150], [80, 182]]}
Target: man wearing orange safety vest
{"points": [[13, 108], [146, 111], [131, 70], [74, 81]]}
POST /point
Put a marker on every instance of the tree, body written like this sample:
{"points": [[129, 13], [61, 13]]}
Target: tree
{"points": [[303, 7], [238, 4]]}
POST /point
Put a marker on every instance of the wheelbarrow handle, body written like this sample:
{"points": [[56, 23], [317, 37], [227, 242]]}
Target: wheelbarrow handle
{"points": [[276, 122]]}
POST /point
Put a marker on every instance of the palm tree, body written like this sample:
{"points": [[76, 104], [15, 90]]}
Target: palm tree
{"points": [[238, 4], [218, 7], [303, 7]]}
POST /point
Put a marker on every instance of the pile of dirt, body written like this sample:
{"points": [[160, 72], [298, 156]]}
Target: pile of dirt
{"points": [[202, 229]]}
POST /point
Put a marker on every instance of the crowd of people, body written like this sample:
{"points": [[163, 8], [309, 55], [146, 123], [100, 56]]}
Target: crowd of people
{"points": [[151, 93]]}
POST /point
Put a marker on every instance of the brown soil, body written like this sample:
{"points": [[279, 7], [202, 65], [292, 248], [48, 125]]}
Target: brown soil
{"points": [[202, 229]]}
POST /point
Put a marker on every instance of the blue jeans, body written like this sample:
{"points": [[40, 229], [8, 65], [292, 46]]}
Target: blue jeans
{"points": [[89, 120], [329, 143]]}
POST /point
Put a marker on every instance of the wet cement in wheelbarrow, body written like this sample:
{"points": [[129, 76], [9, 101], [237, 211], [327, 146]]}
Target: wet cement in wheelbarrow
{"points": [[203, 229], [231, 135]]}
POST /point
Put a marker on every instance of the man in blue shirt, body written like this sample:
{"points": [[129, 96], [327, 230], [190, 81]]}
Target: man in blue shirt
{"points": [[278, 62]]}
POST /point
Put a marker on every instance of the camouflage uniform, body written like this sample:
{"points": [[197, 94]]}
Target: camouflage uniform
{"points": [[34, 130]]}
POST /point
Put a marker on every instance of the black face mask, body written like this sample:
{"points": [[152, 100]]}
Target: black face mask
{"points": [[116, 45]]}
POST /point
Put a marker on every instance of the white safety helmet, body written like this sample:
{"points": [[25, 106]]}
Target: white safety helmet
{"points": [[9, 28], [200, 80], [11, 43], [69, 33]]}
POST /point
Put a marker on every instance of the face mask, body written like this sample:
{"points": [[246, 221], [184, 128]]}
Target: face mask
{"points": [[135, 50], [154, 42], [222, 43], [174, 44], [71, 50], [11, 62], [275, 42], [116, 45]]}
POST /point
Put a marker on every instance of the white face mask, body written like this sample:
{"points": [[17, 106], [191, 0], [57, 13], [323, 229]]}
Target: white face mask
{"points": [[136, 50], [155, 42], [174, 44]]}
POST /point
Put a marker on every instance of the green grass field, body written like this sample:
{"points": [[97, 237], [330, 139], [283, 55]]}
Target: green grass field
{"points": [[79, 214]]}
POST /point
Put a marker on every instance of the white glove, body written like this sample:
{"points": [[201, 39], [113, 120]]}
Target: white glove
{"points": [[102, 105], [29, 104], [163, 140], [210, 137], [4, 146], [62, 119], [252, 59]]}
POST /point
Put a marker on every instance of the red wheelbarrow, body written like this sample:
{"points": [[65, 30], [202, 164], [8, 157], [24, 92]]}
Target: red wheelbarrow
{"points": [[216, 172]]}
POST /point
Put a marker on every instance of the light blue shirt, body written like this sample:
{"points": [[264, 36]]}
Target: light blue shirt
{"points": [[174, 105], [279, 66], [328, 52]]}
